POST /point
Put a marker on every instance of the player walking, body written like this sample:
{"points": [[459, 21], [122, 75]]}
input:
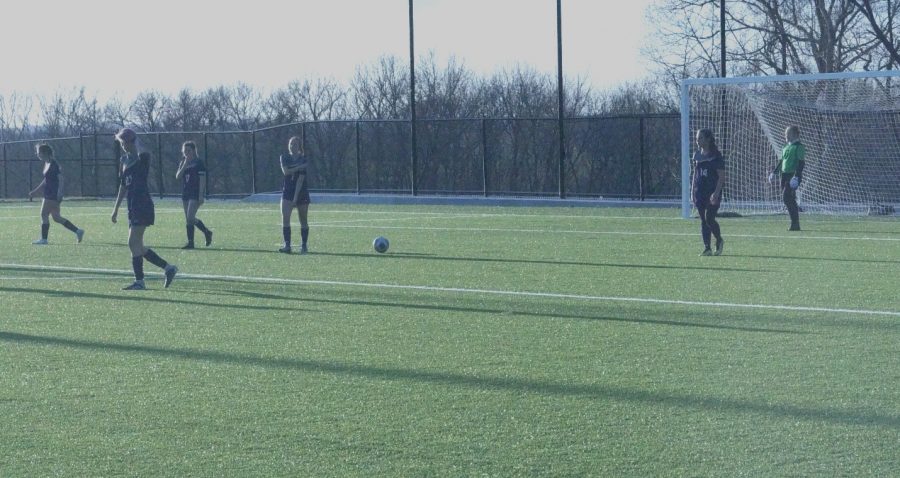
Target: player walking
{"points": [[708, 181], [52, 188], [135, 169]]}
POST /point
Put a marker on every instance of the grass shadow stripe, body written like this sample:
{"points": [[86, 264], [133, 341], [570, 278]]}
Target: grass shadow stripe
{"points": [[502, 384]]}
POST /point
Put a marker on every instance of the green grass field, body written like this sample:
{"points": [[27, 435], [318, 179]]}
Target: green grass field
{"points": [[487, 341]]}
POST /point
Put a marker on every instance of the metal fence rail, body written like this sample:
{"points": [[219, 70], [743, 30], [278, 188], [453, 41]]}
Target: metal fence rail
{"points": [[631, 157]]}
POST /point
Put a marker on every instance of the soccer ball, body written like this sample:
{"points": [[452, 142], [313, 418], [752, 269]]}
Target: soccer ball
{"points": [[381, 244]]}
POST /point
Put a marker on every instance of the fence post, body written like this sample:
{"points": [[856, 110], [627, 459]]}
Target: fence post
{"points": [[5, 173], [253, 161], [159, 174], [96, 163], [206, 161], [641, 185], [30, 182], [357, 159], [81, 147], [484, 173]]}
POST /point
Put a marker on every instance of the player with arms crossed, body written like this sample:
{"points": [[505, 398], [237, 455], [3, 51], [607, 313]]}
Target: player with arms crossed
{"points": [[294, 193], [52, 188], [192, 173], [790, 168], [707, 184], [135, 169]]}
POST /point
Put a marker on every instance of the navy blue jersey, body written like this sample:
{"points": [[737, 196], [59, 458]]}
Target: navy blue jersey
{"points": [[134, 179], [193, 174], [706, 173], [291, 182], [52, 189]]}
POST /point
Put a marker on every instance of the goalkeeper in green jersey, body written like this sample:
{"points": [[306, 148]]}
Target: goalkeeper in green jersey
{"points": [[790, 169]]}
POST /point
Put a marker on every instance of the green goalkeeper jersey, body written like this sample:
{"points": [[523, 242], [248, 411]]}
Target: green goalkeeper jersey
{"points": [[791, 156]]}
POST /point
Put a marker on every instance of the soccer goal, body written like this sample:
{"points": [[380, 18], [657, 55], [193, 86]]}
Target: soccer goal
{"points": [[849, 123]]}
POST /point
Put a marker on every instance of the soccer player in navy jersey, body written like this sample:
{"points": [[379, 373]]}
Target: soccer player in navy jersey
{"points": [[790, 170], [707, 184], [52, 188], [294, 193], [192, 173], [135, 169]]}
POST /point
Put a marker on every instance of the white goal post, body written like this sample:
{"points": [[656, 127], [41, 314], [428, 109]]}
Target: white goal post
{"points": [[849, 124]]}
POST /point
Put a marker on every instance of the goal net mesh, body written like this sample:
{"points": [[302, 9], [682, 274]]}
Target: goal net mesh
{"points": [[849, 126]]}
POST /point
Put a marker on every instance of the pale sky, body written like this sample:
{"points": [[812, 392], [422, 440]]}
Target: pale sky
{"points": [[121, 47]]}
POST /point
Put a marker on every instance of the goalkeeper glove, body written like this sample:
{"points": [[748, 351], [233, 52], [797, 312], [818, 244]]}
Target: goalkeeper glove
{"points": [[771, 178], [795, 182]]}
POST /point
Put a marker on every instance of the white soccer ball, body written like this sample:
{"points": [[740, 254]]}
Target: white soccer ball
{"points": [[381, 244]]}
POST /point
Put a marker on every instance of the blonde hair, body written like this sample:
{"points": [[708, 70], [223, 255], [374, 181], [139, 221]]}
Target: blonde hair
{"points": [[299, 142]]}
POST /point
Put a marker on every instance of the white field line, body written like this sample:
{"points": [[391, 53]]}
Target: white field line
{"points": [[438, 215], [459, 290], [44, 278], [616, 233]]}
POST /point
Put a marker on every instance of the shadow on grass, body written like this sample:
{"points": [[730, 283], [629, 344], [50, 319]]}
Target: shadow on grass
{"points": [[502, 384], [484, 310], [140, 297], [400, 255]]}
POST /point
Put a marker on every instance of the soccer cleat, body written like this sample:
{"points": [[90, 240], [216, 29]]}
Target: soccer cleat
{"points": [[794, 227], [720, 244], [303, 249], [171, 270], [706, 252], [40, 242], [285, 249], [208, 238], [79, 235], [189, 245], [136, 285]]}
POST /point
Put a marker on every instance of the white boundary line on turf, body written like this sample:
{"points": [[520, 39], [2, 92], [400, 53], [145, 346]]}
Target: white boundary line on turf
{"points": [[54, 278], [616, 233], [548, 295]]}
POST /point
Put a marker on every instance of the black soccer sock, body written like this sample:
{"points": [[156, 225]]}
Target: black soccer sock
{"points": [[155, 259], [45, 230], [286, 232], [304, 234], [137, 263], [201, 226], [68, 225], [190, 233]]}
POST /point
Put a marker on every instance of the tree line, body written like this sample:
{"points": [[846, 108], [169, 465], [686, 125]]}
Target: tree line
{"points": [[376, 92]]}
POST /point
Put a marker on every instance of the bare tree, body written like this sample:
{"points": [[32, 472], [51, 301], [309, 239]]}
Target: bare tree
{"points": [[15, 117], [382, 91], [307, 100], [116, 113], [182, 113], [885, 11], [242, 106], [147, 110], [764, 37]]}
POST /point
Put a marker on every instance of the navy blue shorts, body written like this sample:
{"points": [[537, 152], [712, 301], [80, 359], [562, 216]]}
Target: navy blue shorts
{"points": [[288, 193], [141, 216]]}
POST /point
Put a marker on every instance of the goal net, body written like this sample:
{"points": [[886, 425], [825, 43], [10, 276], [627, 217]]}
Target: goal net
{"points": [[849, 124]]}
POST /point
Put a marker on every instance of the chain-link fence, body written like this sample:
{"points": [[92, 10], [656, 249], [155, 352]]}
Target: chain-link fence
{"points": [[631, 157]]}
